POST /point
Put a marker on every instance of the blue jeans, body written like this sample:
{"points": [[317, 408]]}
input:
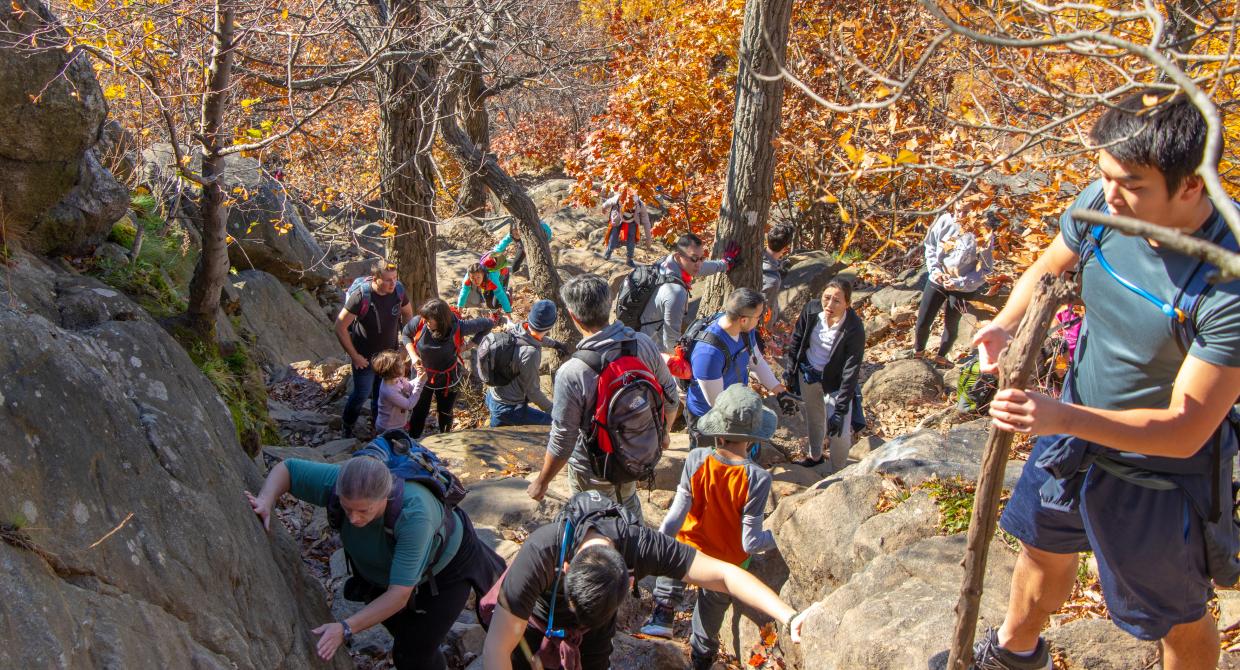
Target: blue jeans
{"points": [[614, 240], [515, 415], [365, 387]]}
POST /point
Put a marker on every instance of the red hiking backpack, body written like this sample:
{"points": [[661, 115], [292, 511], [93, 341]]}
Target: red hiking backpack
{"points": [[625, 438]]}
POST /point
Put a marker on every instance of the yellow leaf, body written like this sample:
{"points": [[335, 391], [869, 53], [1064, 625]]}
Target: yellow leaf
{"points": [[906, 156], [843, 213], [971, 117], [882, 91], [114, 92], [1149, 100], [830, 198], [228, 239], [255, 133], [249, 102], [284, 14]]}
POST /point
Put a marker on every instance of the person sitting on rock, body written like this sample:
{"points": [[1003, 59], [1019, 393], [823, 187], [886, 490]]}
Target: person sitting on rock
{"points": [[398, 394], [514, 249], [435, 340], [588, 300], [414, 581], [484, 284], [664, 315], [1135, 460], [374, 310], [509, 405], [625, 212], [722, 355], [778, 244], [559, 598], [718, 510], [957, 269], [824, 368]]}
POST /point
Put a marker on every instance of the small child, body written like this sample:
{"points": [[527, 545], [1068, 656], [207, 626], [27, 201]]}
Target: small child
{"points": [[397, 394], [718, 510]]}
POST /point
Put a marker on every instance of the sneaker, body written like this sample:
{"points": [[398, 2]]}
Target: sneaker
{"points": [[810, 462], [988, 655], [660, 622]]}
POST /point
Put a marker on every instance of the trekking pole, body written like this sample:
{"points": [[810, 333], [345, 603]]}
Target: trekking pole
{"points": [[1016, 366]]}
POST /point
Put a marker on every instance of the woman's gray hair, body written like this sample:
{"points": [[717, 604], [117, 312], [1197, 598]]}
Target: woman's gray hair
{"points": [[364, 479], [588, 299]]}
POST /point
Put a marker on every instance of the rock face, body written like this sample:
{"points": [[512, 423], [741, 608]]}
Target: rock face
{"points": [[121, 463], [921, 455], [897, 613], [906, 291], [899, 383], [55, 193], [285, 328], [265, 221], [808, 274]]}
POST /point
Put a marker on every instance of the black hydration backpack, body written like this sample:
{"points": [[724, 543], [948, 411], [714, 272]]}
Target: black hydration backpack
{"points": [[636, 292], [498, 363]]}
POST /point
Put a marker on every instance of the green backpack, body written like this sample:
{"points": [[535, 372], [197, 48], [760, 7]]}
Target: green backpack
{"points": [[974, 388]]}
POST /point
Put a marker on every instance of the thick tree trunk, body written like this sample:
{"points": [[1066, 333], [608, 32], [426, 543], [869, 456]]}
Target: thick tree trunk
{"points": [[406, 134], [212, 269], [751, 161], [543, 275], [472, 108]]}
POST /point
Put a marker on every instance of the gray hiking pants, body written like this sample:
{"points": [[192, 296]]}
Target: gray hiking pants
{"points": [[625, 494], [707, 615]]}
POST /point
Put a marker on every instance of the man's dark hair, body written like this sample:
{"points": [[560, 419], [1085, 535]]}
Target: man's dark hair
{"points": [[1170, 135], [688, 241], [596, 583], [742, 301], [587, 298], [779, 237]]}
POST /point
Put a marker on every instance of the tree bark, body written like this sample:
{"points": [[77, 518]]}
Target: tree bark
{"points": [[405, 89], [472, 108], [1016, 367], [543, 275], [751, 161], [211, 271]]}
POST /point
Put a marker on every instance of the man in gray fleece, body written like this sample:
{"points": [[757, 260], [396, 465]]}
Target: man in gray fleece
{"points": [[664, 316], [588, 301], [509, 404]]}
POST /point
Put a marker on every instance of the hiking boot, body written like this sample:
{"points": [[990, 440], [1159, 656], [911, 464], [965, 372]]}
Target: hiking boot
{"points": [[660, 622], [346, 431], [702, 662], [810, 462], [988, 655]]}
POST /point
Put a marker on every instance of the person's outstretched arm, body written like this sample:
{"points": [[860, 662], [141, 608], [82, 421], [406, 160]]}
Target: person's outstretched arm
{"points": [[713, 574], [503, 636]]}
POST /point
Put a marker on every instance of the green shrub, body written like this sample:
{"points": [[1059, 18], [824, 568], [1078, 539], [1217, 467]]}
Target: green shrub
{"points": [[158, 279], [240, 383]]}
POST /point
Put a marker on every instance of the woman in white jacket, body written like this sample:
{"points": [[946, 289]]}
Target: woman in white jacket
{"points": [[957, 270]]}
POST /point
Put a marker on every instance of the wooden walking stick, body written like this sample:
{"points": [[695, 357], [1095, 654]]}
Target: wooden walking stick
{"points": [[1015, 368]]}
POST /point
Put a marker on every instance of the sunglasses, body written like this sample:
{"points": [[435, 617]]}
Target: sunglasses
{"points": [[694, 259]]}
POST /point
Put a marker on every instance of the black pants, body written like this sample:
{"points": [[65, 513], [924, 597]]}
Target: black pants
{"points": [[445, 399], [595, 648], [422, 626], [933, 299]]}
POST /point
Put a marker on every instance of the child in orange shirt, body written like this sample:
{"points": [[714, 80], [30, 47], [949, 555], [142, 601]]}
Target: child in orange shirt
{"points": [[718, 510]]}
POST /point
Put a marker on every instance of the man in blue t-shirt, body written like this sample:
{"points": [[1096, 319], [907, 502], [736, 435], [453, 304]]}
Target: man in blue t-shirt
{"points": [[1125, 461], [722, 355]]}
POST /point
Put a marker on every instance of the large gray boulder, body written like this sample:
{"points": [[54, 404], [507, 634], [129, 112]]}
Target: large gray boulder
{"points": [[898, 612], [264, 219], [286, 326], [911, 381], [925, 454], [1098, 644], [56, 196], [127, 542]]}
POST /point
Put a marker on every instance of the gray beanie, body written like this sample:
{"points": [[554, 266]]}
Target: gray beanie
{"points": [[542, 315]]}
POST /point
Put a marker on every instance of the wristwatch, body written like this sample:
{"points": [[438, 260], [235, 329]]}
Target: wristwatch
{"points": [[348, 633]]}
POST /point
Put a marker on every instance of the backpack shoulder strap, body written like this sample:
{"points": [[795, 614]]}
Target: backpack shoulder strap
{"points": [[364, 304], [1188, 300], [395, 505], [591, 358], [1092, 239]]}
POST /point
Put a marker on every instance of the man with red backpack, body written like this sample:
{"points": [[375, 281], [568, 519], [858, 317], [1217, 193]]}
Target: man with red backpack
{"points": [[375, 307], [616, 378]]}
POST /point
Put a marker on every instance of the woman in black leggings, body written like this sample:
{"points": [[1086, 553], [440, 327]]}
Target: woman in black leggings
{"points": [[435, 339], [957, 270]]}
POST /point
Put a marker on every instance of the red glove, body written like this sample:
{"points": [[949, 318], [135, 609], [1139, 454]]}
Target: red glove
{"points": [[732, 254]]}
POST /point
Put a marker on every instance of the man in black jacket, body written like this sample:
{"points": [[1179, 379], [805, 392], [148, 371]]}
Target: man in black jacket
{"points": [[824, 363]]}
